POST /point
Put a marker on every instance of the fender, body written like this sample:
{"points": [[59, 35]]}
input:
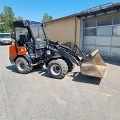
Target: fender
{"points": [[63, 55], [68, 56], [13, 59], [28, 59]]}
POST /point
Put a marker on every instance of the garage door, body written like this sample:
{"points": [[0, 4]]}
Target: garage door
{"points": [[102, 34]]}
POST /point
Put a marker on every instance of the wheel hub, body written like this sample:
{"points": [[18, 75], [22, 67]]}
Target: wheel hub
{"points": [[21, 66], [55, 69]]}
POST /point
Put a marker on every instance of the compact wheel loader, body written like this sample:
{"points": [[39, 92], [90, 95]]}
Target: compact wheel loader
{"points": [[33, 49]]}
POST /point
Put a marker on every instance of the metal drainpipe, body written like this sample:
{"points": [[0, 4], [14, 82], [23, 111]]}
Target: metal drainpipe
{"points": [[75, 29]]}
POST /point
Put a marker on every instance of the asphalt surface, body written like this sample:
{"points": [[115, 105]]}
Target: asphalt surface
{"points": [[36, 96]]}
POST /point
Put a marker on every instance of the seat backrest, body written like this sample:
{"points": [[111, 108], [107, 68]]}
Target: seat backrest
{"points": [[22, 39]]}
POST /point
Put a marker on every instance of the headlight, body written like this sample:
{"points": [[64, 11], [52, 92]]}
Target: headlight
{"points": [[48, 52]]}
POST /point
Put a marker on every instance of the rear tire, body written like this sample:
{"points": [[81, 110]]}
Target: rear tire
{"points": [[22, 65], [57, 68]]}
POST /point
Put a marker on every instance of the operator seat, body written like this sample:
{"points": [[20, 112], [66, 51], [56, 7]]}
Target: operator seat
{"points": [[24, 40]]}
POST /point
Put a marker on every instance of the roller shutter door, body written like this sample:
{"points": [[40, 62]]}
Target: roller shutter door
{"points": [[102, 34]]}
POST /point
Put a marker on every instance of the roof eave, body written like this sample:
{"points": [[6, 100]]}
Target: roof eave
{"points": [[95, 11]]}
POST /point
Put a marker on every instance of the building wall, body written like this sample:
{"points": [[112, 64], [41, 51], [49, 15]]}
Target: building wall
{"points": [[63, 30]]}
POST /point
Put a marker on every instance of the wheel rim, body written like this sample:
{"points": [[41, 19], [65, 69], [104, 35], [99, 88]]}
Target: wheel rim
{"points": [[21, 65], [55, 69]]}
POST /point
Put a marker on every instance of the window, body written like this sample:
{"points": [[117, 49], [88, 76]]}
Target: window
{"points": [[90, 32], [116, 20], [91, 23], [105, 21], [37, 31], [4, 35], [104, 26], [104, 31], [116, 30]]}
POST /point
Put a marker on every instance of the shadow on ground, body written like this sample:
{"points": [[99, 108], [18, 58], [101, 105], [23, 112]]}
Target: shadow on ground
{"points": [[44, 72], [12, 68], [113, 62], [78, 77], [41, 71], [4, 44]]}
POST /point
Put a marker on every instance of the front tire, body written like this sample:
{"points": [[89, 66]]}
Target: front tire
{"points": [[70, 65], [57, 68], [22, 65]]}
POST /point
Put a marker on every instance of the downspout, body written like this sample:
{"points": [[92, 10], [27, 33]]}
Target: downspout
{"points": [[75, 32]]}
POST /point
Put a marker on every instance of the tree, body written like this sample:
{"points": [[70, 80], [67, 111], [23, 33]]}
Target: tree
{"points": [[47, 17], [19, 18], [7, 17], [2, 28]]}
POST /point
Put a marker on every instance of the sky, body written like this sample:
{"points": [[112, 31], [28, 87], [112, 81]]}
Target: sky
{"points": [[35, 9]]}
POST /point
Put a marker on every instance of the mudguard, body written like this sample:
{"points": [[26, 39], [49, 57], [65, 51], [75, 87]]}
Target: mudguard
{"points": [[12, 59], [63, 55]]}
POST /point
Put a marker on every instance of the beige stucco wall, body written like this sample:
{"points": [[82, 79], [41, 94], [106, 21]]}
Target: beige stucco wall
{"points": [[63, 30]]}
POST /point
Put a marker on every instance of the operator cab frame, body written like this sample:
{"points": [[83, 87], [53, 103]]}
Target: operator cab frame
{"points": [[29, 34]]}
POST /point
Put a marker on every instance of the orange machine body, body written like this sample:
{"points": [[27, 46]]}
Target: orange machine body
{"points": [[13, 53]]}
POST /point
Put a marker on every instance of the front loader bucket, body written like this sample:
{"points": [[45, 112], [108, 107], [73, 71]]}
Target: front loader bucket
{"points": [[94, 66]]}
